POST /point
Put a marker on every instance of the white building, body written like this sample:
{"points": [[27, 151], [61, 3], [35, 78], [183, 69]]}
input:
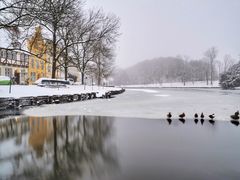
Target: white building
{"points": [[14, 64]]}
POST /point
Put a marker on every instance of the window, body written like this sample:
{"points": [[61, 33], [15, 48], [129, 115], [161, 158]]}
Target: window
{"points": [[9, 55], [1, 54], [37, 64], [26, 57], [49, 68], [8, 72], [22, 57], [32, 63], [23, 72], [42, 65], [14, 56], [4, 54], [33, 76]]}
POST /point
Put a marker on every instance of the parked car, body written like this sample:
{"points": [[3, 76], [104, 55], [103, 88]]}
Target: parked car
{"points": [[51, 82]]}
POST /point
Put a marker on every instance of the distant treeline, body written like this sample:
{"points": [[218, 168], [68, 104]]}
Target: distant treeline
{"points": [[166, 69]]}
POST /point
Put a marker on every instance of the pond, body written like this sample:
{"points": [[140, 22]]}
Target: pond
{"points": [[95, 147]]}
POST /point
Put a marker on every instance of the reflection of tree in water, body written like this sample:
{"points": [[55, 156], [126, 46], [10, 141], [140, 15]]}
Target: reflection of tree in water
{"points": [[86, 152], [65, 147]]}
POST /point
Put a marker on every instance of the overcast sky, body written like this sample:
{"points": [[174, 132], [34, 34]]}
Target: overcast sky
{"points": [[155, 28]]}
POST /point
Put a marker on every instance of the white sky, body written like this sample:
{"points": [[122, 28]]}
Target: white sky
{"points": [[155, 28]]}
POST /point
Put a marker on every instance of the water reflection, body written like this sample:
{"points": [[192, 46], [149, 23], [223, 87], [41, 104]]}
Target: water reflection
{"points": [[196, 121], [169, 121], [236, 123], [212, 122], [182, 120], [56, 147], [86, 147]]}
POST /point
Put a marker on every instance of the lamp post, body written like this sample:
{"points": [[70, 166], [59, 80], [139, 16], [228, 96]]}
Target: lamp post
{"points": [[92, 83], [85, 83], [10, 84]]}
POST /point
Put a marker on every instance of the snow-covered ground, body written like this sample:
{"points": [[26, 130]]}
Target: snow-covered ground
{"points": [[197, 84], [151, 103], [33, 90]]}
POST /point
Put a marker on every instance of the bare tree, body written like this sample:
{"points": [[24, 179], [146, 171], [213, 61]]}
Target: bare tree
{"points": [[103, 66], [228, 62], [95, 28], [53, 15], [12, 14], [211, 54], [65, 34]]}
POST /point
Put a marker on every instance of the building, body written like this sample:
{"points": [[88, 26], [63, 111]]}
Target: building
{"points": [[40, 61], [38, 65], [14, 64]]}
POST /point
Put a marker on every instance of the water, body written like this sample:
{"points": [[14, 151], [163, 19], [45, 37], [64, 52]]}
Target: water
{"points": [[93, 147]]}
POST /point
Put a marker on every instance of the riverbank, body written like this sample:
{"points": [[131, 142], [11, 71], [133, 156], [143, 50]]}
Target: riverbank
{"points": [[21, 97], [18, 91]]}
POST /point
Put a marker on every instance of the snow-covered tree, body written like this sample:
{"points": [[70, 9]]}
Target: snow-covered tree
{"points": [[231, 78]]}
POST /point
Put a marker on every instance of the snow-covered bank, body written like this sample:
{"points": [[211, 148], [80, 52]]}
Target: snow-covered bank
{"points": [[18, 91], [197, 84]]}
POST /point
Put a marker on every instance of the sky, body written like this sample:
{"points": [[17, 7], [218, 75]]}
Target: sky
{"points": [[161, 28]]}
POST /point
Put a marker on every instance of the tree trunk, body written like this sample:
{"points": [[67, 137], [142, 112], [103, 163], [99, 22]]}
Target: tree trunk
{"points": [[82, 78], [211, 74], [54, 48], [66, 129], [66, 72], [207, 77], [55, 143], [99, 76], [66, 63]]}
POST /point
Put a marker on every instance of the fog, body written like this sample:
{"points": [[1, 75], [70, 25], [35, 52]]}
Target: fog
{"points": [[162, 28]]}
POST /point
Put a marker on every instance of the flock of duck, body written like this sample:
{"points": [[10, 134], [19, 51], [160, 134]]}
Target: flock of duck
{"points": [[235, 116]]}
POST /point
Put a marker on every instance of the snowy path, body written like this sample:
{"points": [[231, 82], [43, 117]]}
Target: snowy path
{"points": [[151, 103]]}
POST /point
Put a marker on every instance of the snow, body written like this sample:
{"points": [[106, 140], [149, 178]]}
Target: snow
{"points": [[197, 84], [144, 90], [4, 78], [144, 104], [33, 90]]}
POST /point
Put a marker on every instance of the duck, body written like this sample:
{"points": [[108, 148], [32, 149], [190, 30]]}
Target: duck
{"points": [[236, 113], [211, 116], [182, 115], [169, 115], [195, 115], [235, 117], [202, 116]]}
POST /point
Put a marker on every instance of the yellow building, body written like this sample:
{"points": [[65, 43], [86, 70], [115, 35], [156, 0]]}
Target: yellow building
{"points": [[40, 65]]}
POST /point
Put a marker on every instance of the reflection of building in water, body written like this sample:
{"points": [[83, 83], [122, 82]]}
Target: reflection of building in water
{"points": [[41, 130]]}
